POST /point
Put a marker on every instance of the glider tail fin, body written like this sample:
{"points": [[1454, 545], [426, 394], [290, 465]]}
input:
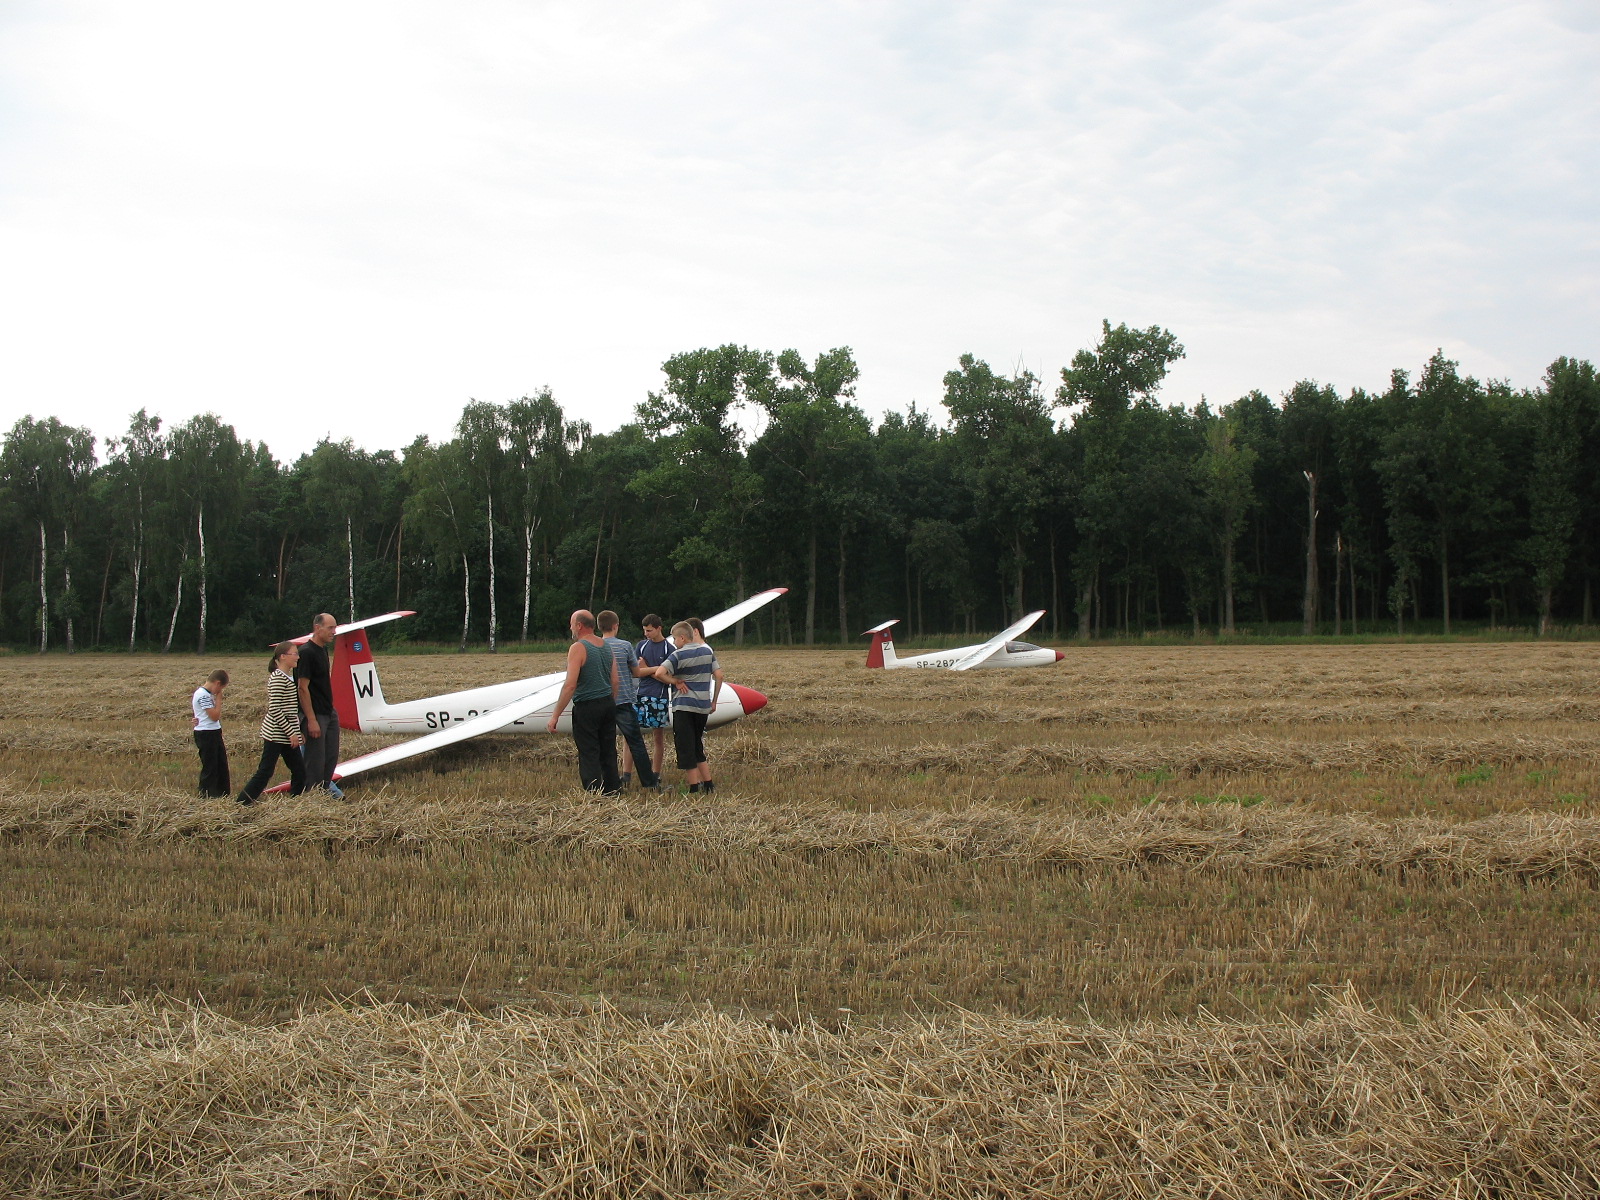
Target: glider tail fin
{"points": [[881, 652], [357, 692]]}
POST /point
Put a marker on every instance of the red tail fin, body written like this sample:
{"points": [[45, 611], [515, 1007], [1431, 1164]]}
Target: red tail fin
{"points": [[350, 650], [881, 637]]}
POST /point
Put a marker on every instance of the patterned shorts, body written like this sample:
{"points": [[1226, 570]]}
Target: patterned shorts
{"points": [[653, 712]]}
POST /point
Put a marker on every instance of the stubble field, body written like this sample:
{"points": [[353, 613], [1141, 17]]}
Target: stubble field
{"points": [[1179, 921]]}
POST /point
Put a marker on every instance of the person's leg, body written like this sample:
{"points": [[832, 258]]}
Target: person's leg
{"points": [[683, 746], [628, 727], [296, 763], [208, 744], [610, 782], [659, 757], [586, 737], [703, 770], [269, 759], [330, 751], [311, 753], [224, 774]]}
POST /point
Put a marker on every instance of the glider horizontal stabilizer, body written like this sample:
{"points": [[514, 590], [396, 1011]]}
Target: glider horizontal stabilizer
{"points": [[981, 654], [353, 625]]}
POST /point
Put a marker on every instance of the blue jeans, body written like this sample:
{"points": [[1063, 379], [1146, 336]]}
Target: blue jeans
{"points": [[628, 727]]}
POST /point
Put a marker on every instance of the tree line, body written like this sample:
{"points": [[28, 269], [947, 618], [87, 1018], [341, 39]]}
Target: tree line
{"points": [[1437, 500]]}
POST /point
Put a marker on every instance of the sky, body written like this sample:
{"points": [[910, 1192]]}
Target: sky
{"points": [[348, 219]]}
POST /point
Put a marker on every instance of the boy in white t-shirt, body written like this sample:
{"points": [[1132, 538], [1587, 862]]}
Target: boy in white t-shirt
{"points": [[207, 705]]}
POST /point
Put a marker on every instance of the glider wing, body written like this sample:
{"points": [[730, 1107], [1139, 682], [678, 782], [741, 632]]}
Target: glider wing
{"points": [[488, 722], [740, 611], [981, 654]]}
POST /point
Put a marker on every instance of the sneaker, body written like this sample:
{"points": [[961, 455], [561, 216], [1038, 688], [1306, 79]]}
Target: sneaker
{"points": [[335, 791]]}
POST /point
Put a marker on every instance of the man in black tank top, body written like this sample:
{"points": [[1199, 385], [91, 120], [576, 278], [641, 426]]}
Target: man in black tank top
{"points": [[591, 687]]}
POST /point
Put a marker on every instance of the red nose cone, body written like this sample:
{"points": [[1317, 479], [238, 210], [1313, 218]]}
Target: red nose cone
{"points": [[749, 699], [1059, 656]]}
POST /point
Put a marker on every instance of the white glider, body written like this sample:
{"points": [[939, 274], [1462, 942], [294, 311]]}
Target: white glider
{"points": [[999, 651], [518, 706]]}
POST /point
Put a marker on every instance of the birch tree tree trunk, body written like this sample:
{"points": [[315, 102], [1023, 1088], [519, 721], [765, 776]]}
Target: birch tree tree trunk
{"points": [[466, 599], [493, 610], [66, 588], [350, 564], [1308, 606], [200, 531], [527, 576], [44, 591], [177, 602], [138, 573]]}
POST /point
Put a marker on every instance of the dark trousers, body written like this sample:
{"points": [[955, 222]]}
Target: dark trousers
{"points": [[214, 779], [689, 738], [594, 732], [270, 753], [322, 753], [628, 727]]}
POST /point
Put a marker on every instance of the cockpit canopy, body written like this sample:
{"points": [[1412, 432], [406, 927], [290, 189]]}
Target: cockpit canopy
{"points": [[1019, 647]]}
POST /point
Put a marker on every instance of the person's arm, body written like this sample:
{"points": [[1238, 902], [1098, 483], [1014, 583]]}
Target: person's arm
{"points": [[214, 713], [716, 674], [568, 685], [304, 684], [615, 678], [664, 673]]}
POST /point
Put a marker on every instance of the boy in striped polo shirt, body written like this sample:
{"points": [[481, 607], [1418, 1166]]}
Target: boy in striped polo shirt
{"points": [[693, 671]]}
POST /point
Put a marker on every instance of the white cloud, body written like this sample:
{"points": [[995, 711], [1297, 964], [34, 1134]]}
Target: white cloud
{"points": [[349, 219]]}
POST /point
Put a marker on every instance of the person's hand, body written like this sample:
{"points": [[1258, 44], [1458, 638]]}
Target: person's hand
{"points": [[297, 740], [312, 728], [551, 727]]}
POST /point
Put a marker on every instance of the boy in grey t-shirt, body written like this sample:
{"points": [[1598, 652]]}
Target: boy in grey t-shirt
{"points": [[629, 673]]}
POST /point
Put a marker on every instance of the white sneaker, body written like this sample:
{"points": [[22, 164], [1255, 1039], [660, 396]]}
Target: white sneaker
{"points": [[335, 791]]}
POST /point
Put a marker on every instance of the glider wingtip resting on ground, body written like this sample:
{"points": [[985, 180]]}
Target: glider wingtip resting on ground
{"points": [[999, 651], [439, 721]]}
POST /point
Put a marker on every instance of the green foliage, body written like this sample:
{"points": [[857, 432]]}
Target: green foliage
{"points": [[1443, 507]]}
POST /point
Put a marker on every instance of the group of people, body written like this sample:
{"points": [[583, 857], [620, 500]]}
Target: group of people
{"points": [[614, 686], [301, 725]]}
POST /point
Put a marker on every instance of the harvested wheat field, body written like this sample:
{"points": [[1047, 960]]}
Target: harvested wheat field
{"points": [[1193, 921]]}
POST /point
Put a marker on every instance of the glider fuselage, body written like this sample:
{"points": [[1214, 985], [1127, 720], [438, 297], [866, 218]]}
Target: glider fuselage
{"points": [[1015, 654], [441, 712]]}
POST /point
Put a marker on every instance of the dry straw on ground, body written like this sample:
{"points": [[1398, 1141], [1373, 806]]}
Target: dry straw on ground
{"points": [[1142, 836], [149, 1100], [1222, 837]]}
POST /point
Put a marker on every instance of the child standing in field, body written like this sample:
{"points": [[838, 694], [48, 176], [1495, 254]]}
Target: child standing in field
{"points": [[280, 728], [207, 706], [692, 669]]}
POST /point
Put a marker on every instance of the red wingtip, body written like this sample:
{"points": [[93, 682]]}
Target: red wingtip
{"points": [[749, 699]]}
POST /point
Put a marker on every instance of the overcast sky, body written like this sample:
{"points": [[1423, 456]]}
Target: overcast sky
{"points": [[347, 219]]}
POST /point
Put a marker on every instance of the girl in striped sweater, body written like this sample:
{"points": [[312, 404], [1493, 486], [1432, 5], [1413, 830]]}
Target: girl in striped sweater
{"points": [[280, 728]]}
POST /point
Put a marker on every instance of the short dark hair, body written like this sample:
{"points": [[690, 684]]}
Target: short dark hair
{"points": [[605, 619], [218, 676], [698, 625], [651, 620]]}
